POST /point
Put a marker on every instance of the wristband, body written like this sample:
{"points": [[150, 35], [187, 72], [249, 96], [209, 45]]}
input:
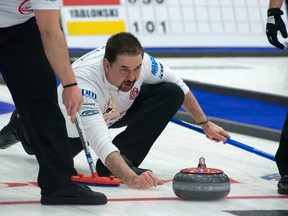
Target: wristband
{"points": [[205, 122], [70, 85]]}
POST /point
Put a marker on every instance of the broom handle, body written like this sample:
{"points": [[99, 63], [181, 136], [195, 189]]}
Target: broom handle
{"points": [[229, 141], [84, 142]]}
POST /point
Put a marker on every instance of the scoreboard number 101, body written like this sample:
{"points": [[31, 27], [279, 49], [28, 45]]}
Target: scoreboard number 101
{"points": [[149, 27]]}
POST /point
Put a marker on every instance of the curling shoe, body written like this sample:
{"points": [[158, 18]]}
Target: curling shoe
{"points": [[283, 185], [8, 134], [104, 171], [74, 195]]}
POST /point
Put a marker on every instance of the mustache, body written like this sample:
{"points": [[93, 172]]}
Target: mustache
{"points": [[129, 82]]}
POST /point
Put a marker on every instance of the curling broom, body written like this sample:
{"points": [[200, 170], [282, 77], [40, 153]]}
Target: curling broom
{"points": [[229, 141], [94, 179]]}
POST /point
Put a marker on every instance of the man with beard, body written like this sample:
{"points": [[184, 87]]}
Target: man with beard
{"points": [[123, 86]]}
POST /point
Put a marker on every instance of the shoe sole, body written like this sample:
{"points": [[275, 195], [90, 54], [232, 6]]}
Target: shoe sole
{"points": [[281, 191], [73, 201]]}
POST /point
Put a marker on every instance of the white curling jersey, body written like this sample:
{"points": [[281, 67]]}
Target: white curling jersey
{"points": [[13, 12], [103, 103]]}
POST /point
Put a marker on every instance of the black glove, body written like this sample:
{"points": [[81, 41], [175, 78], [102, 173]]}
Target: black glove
{"points": [[274, 24]]}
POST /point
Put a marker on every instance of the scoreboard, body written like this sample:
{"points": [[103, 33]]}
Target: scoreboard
{"points": [[167, 23]]}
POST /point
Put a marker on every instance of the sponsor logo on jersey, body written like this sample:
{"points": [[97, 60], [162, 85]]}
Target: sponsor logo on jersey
{"points": [[161, 71], [154, 64], [25, 8], [88, 104], [111, 111], [133, 93], [88, 94], [89, 112]]}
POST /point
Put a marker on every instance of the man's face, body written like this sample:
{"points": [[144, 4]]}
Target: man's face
{"points": [[124, 72]]}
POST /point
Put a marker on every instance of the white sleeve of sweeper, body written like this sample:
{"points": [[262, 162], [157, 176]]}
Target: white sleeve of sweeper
{"points": [[95, 128], [45, 5], [155, 72]]}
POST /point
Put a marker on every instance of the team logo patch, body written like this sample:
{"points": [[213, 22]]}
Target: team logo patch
{"points": [[133, 93]]}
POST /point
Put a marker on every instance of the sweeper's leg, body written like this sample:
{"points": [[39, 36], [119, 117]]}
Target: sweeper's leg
{"points": [[282, 160]]}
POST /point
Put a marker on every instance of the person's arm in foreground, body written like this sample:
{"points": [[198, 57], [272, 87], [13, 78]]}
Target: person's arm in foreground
{"points": [[56, 50], [275, 3]]}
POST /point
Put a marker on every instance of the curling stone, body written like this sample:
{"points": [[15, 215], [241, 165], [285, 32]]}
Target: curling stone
{"points": [[201, 183]]}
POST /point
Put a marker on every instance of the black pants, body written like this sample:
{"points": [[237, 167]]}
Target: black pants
{"points": [[281, 156], [145, 121], [32, 84]]}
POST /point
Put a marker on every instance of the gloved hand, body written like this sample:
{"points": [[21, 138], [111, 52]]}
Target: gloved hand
{"points": [[274, 24]]}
